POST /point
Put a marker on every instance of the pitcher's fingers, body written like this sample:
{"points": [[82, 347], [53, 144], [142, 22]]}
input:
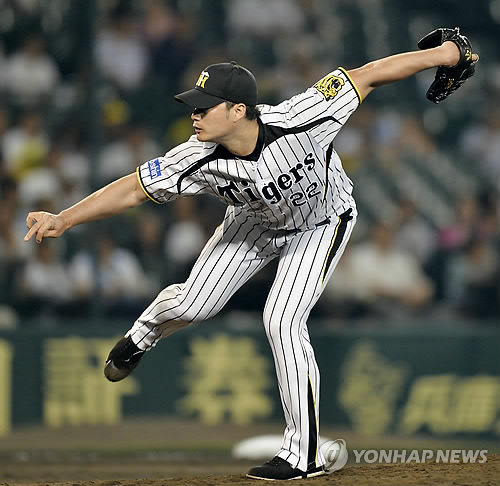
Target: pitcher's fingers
{"points": [[42, 231], [475, 57], [33, 229], [31, 219]]}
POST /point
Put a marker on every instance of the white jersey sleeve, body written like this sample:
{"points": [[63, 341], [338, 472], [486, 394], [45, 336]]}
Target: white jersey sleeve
{"points": [[324, 107], [161, 178]]}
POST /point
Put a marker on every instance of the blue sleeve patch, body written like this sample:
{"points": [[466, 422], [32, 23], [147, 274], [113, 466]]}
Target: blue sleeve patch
{"points": [[154, 168]]}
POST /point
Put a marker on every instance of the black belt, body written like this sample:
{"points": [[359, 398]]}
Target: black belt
{"points": [[343, 217], [326, 221]]}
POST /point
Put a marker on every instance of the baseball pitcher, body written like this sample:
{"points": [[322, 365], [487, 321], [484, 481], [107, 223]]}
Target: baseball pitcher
{"points": [[287, 197]]}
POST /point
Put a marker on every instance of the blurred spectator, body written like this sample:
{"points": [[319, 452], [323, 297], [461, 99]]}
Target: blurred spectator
{"points": [[4, 120], [72, 186], [8, 203], [256, 28], [415, 140], [451, 239], [159, 24], [458, 232], [25, 145], [341, 298], [148, 248], [8, 317], [30, 74], [44, 284], [2, 68], [489, 226], [185, 237], [481, 142], [388, 127], [354, 143], [413, 233], [9, 242], [12, 227], [474, 280], [117, 276], [264, 19], [378, 279], [298, 69], [75, 164], [121, 54], [42, 182], [171, 42], [122, 157]]}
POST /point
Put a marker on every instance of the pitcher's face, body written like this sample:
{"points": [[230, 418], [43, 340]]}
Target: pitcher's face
{"points": [[212, 124]]}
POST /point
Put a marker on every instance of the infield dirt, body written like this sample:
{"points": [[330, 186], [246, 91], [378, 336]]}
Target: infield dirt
{"points": [[165, 452]]}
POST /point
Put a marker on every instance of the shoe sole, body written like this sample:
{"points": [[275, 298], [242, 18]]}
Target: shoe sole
{"points": [[112, 373], [310, 475]]}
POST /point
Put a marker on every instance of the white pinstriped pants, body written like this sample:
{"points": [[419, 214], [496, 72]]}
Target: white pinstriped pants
{"points": [[239, 248]]}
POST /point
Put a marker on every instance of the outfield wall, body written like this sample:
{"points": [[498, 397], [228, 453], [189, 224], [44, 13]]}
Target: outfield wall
{"points": [[406, 380]]}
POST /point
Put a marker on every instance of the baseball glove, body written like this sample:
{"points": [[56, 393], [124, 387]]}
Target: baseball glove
{"points": [[449, 79]]}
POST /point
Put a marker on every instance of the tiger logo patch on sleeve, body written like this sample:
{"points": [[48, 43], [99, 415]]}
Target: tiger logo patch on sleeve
{"points": [[329, 86]]}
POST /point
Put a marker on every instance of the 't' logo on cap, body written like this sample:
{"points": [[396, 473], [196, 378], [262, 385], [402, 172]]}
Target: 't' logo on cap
{"points": [[202, 79]]}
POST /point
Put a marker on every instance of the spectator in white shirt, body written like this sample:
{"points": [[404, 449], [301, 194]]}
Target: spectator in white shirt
{"points": [[31, 74], [380, 277]]}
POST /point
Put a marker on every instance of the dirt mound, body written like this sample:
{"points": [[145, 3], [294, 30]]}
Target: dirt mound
{"points": [[210, 474]]}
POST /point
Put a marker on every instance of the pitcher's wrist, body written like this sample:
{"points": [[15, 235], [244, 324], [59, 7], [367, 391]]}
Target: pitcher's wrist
{"points": [[66, 220]]}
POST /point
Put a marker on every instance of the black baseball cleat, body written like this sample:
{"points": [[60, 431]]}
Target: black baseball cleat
{"points": [[122, 359], [278, 469]]}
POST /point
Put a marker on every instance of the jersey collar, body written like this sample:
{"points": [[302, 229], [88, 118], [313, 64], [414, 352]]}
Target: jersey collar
{"points": [[254, 156]]}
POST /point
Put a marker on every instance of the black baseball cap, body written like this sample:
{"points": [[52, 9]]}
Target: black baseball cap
{"points": [[227, 81]]}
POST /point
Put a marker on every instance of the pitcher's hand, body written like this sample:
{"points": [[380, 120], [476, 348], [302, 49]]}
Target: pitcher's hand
{"points": [[44, 225]]}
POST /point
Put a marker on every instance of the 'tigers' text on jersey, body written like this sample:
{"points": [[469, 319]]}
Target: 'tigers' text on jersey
{"points": [[273, 191]]}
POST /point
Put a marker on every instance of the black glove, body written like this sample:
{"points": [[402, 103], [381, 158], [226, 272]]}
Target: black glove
{"points": [[449, 79]]}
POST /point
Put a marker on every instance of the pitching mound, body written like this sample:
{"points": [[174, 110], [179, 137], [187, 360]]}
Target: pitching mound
{"points": [[160, 452], [209, 474]]}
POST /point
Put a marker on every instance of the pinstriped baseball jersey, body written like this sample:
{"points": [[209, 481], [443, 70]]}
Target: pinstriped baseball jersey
{"points": [[293, 180], [290, 199]]}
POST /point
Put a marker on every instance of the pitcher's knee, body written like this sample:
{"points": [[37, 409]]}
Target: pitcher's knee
{"points": [[165, 307], [273, 326], [282, 326]]}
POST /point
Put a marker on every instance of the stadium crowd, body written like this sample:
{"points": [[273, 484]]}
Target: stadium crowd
{"points": [[83, 103]]}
